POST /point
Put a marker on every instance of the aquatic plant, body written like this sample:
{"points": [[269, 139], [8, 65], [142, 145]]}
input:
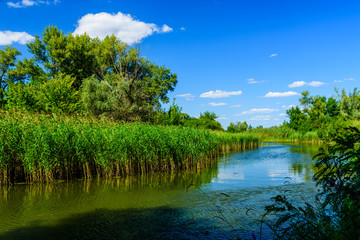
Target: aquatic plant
{"points": [[44, 147]]}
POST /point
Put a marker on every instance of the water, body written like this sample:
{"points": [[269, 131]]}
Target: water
{"points": [[223, 201]]}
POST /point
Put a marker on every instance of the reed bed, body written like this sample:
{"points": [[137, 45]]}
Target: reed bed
{"points": [[39, 147], [286, 134]]}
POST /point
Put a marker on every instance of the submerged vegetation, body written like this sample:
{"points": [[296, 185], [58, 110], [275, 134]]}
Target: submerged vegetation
{"points": [[44, 147]]}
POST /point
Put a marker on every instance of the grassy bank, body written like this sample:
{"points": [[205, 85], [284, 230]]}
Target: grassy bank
{"points": [[285, 134], [39, 147]]}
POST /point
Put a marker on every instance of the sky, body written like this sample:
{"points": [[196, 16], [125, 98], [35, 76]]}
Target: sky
{"points": [[245, 60]]}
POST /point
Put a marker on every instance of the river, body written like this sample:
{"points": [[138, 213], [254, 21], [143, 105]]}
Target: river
{"points": [[224, 201]]}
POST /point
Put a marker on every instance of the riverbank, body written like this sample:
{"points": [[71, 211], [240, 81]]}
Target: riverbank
{"points": [[285, 134], [46, 147]]}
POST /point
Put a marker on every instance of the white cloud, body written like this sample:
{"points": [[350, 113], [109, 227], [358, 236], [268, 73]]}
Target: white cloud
{"points": [[187, 96], [315, 84], [260, 118], [297, 84], [282, 114], [123, 26], [9, 37], [349, 79], [303, 83], [182, 29], [273, 55], [258, 110], [220, 94], [252, 81], [217, 104], [222, 118], [345, 79], [30, 3], [165, 29], [236, 106], [281, 94]]}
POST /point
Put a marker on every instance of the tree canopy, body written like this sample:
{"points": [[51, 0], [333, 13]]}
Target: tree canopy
{"points": [[75, 73]]}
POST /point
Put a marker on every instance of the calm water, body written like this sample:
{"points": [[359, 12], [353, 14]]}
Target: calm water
{"points": [[162, 206]]}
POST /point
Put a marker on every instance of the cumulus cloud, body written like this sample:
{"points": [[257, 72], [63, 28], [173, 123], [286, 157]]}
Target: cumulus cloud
{"points": [[297, 84], [214, 104], [273, 55], [303, 83], [30, 3], [282, 114], [187, 96], [252, 81], [258, 110], [123, 26], [260, 118], [281, 94], [182, 29], [220, 94], [9, 37]]}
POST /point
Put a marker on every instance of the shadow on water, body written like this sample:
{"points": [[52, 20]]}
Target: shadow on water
{"points": [[148, 223]]}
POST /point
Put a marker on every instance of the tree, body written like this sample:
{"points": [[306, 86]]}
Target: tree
{"points": [[8, 56], [132, 88], [297, 119], [238, 127], [332, 107], [206, 120], [114, 79], [305, 101], [60, 53]]}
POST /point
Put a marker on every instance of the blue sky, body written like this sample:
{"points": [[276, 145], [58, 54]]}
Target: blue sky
{"points": [[244, 60]]}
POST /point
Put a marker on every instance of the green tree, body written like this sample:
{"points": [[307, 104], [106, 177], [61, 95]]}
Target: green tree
{"points": [[59, 53], [54, 95], [332, 107], [238, 127], [8, 57], [298, 119]]}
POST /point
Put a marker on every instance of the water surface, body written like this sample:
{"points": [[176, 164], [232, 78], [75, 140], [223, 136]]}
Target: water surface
{"points": [[225, 200]]}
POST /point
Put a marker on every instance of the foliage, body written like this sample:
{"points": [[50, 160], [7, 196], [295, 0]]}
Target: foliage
{"points": [[206, 120], [326, 116], [336, 214], [40, 147], [55, 95], [173, 116], [284, 133], [238, 127], [8, 56], [114, 79]]}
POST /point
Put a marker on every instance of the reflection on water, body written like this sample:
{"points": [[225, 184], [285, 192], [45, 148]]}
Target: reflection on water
{"points": [[160, 205]]}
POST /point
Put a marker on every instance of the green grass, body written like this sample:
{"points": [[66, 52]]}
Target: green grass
{"points": [[285, 134], [39, 147]]}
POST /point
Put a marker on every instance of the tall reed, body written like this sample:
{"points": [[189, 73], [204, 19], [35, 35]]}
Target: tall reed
{"points": [[40, 147]]}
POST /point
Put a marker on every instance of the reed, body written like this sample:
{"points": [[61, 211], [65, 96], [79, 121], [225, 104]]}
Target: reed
{"points": [[45, 147], [286, 134]]}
